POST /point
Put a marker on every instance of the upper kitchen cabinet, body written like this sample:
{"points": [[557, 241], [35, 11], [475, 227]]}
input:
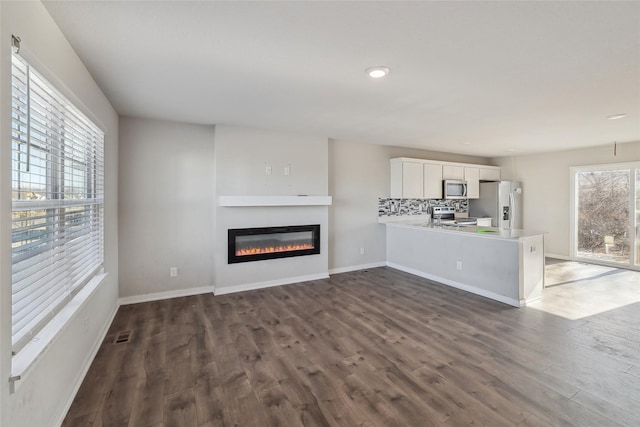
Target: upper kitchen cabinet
{"points": [[489, 173], [472, 176], [453, 172], [406, 179], [422, 179], [432, 181]]}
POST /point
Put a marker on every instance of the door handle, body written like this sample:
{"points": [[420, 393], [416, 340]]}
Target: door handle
{"points": [[512, 206]]}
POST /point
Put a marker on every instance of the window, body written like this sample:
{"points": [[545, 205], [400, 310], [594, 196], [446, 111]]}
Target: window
{"points": [[57, 200]]}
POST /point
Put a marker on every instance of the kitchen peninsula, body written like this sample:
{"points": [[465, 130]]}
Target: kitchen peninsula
{"points": [[504, 265]]}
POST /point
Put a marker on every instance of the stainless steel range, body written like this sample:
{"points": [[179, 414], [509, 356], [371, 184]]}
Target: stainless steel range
{"points": [[446, 215], [443, 214]]}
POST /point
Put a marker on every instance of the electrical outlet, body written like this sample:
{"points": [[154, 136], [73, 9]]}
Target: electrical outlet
{"points": [[173, 272], [458, 265], [361, 251]]}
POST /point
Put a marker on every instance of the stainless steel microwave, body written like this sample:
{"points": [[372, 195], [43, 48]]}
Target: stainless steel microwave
{"points": [[454, 189]]}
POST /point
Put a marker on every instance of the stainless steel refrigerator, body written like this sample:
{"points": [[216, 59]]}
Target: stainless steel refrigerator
{"points": [[502, 201]]}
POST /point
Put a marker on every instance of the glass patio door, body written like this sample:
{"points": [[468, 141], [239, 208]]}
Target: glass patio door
{"points": [[606, 214], [637, 222]]}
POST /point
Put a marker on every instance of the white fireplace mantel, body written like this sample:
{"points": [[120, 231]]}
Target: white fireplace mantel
{"points": [[240, 201]]}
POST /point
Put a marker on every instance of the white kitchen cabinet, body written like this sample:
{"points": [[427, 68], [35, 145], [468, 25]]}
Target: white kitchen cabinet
{"points": [[452, 172], [489, 174], [412, 180], [422, 179], [472, 176], [406, 179], [432, 185]]}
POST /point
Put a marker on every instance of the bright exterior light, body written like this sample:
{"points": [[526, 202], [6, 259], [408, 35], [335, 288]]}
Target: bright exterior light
{"points": [[377, 72]]}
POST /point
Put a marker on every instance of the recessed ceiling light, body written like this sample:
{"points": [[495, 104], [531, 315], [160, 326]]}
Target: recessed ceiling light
{"points": [[466, 143], [377, 72], [616, 116], [510, 150]]}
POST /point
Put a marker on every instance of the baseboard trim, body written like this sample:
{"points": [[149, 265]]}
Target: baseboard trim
{"points": [[357, 267], [525, 302], [268, 284], [156, 296], [563, 257], [87, 364], [454, 284]]}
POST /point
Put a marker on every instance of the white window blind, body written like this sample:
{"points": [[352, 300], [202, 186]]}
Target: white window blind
{"points": [[57, 200]]}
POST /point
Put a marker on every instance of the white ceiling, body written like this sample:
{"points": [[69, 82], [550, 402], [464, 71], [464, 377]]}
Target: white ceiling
{"points": [[481, 78]]}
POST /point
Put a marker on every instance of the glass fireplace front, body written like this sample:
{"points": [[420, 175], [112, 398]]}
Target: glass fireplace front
{"points": [[256, 244]]}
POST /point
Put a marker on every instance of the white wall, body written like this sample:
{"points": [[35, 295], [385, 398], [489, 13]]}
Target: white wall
{"points": [[358, 175], [43, 395], [546, 187], [170, 175], [241, 156], [157, 231], [165, 208]]}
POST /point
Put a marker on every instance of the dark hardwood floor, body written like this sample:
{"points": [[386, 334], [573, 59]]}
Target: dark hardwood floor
{"points": [[376, 348]]}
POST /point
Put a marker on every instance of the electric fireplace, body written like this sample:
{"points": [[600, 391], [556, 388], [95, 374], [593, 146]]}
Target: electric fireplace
{"points": [[256, 244]]}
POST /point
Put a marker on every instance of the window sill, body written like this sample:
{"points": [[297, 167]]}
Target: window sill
{"points": [[23, 362]]}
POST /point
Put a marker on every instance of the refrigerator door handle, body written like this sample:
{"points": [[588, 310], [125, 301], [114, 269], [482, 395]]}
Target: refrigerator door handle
{"points": [[512, 210]]}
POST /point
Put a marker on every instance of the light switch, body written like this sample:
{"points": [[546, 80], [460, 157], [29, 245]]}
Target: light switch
{"points": [[267, 169]]}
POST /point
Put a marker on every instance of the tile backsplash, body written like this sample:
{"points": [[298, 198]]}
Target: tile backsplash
{"points": [[396, 207]]}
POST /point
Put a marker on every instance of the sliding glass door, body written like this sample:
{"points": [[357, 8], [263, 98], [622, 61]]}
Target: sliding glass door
{"points": [[606, 214], [637, 222]]}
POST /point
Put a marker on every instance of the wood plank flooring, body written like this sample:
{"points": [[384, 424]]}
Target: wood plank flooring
{"points": [[368, 348]]}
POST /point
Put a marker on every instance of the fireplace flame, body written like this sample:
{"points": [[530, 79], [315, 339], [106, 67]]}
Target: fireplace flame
{"points": [[272, 249]]}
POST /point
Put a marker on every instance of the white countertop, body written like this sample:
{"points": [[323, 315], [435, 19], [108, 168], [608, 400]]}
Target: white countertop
{"points": [[403, 218], [471, 230]]}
